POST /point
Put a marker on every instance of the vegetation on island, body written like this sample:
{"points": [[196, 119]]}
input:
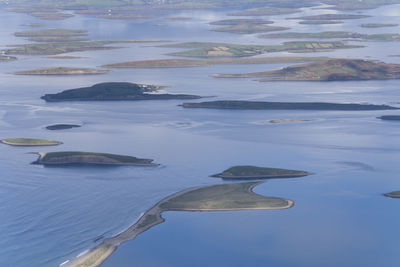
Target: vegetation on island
{"points": [[61, 71], [261, 105], [394, 194], [62, 126], [89, 158], [334, 34], [114, 91], [226, 22], [247, 28], [234, 50], [180, 63], [51, 32], [329, 70], [331, 17], [222, 197], [390, 117], [29, 142], [378, 25], [265, 11], [253, 172], [320, 22]]}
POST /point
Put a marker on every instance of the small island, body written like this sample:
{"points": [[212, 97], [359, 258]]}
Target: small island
{"points": [[265, 11], [114, 91], [260, 105], [332, 17], [222, 197], [4, 58], [226, 22], [394, 194], [62, 71], [253, 172], [334, 34], [51, 32], [89, 158], [29, 142], [390, 117], [56, 127], [320, 22], [378, 25], [248, 28], [329, 70]]}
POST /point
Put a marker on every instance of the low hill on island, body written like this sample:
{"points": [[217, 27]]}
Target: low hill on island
{"points": [[114, 91], [89, 158], [329, 70], [253, 172]]}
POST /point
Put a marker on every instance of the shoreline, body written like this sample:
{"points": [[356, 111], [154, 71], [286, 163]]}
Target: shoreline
{"points": [[27, 145], [97, 255]]}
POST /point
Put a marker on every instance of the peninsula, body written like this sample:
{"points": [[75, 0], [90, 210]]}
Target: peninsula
{"points": [[259, 105], [29, 142], [223, 197], [89, 158], [253, 172], [114, 91], [61, 71], [394, 194], [329, 70], [184, 63]]}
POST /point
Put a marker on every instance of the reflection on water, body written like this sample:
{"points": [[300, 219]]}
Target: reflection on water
{"points": [[50, 215]]}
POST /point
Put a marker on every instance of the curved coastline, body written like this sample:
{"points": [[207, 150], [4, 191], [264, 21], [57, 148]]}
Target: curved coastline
{"points": [[97, 255]]}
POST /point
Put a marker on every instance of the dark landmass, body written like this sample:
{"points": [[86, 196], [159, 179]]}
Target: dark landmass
{"points": [[127, 16], [179, 18], [56, 127], [329, 70], [377, 25], [390, 117], [62, 71], [331, 17], [184, 63], [89, 158], [234, 50], [334, 34], [51, 16], [223, 197], [240, 21], [57, 39], [394, 194], [29, 142], [34, 25], [249, 28], [320, 22], [64, 57], [4, 58], [259, 105], [114, 91], [265, 11], [253, 172]]}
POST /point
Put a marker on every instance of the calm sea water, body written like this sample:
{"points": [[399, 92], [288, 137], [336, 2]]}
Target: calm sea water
{"points": [[50, 215]]}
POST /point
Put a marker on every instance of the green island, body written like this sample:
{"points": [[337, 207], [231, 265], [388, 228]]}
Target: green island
{"points": [[4, 58], [29, 142], [335, 34], [253, 172], [378, 25], [320, 22], [51, 15], [265, 11], [240, 21], [247, 28], [222, 197], [262, 105], [89, 158], [61, 71], [51, 32], [235, 50], [62, 126], [394, 194], [390, 117], [329, 70], [114, 91], [332, 17], [181, 63]]}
